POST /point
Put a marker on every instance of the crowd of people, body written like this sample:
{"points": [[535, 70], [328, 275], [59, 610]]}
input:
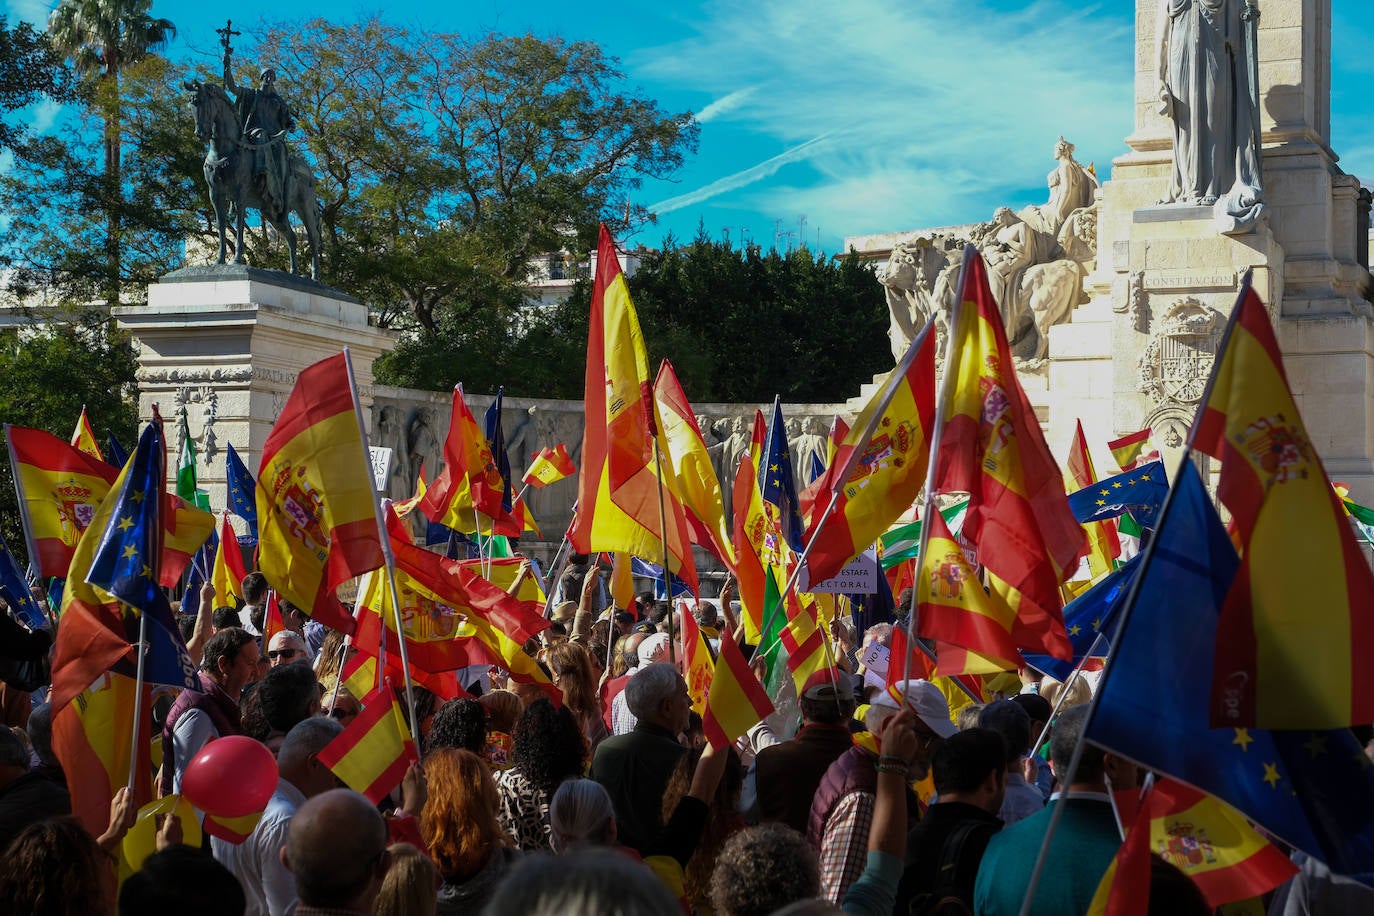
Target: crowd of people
{"points": [[854, 797]]}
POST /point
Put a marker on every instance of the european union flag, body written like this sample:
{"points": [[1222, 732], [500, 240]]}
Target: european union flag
{"points": [[128, 557], [817, 468], [201, 566], [1139, 492], [655, 572], [496, 441], [1092, 613], [243, 496], [776, 483], [1312, 789], [14, 588]]}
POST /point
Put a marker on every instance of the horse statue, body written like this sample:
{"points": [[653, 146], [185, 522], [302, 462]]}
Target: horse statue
{"points": [[229, 175]]}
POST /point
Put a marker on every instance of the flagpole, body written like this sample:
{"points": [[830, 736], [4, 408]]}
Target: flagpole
{"points": [[1128, 605], [388, 555], [138, 696], [663, 539], [1068, 685], [343, 655], [933, 466]]}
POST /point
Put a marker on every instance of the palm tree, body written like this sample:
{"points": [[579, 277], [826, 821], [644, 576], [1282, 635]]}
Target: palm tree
{"points": [[102, 37]]}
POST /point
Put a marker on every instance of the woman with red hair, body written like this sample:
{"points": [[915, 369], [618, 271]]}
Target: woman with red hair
{"points": [[459, 825]]}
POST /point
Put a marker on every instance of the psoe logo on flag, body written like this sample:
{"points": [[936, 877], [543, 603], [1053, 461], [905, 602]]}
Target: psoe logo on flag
{"points": [[1277, 448]]}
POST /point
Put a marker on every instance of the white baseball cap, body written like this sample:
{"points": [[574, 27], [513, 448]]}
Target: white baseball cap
{"points": [[925, 698]]}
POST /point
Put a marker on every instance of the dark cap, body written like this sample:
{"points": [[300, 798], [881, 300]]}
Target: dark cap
{"points": [[1036, 706]]}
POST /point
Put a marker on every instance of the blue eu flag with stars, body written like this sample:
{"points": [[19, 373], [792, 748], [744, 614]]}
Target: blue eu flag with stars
{"points": [[243, 497], [1312, 789], [129, 555], [776, 482], [1139, 492]]}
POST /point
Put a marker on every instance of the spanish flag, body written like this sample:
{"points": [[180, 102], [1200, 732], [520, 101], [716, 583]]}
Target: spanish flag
{"points": [[751, 527], [227, 574], [83, 438], [185, 529], [973, 627], [371, 755], [317, 524], [737, 701], [470, 482], [992, 448], [698, 666], [688, 466], [550, 465], [406, 506], [59, 490], [618, 495], [1103, 545], [1133, 449], [1297, 629], [804, 639], [878, 468]]}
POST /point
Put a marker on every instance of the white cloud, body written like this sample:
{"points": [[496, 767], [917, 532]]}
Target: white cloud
{"points": [[725, 104], [43, 115], [32, 11], [740, 179], [934, 112]]}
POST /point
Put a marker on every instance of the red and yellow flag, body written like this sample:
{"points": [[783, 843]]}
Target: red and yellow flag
{"points": [[878, 468], [1297, 628], [737, 701], [697, 665], [1103, 544], [470, 481], [406, 506], [804, 639], [371, 755], [83, 438], [317, 524], [550, 465], [758, 439], [227, 574], [992, 448], [751, 526], [1133, 449], [59, 490], [973, 627], [185, 529], [688, 468], [618, 491]]}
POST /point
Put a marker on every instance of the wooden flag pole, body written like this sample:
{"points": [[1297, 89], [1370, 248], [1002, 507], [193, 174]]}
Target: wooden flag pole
{"points": [[387, 554]]}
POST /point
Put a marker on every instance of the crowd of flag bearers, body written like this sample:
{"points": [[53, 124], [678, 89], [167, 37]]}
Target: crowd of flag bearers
{"points": [[939, 751]]}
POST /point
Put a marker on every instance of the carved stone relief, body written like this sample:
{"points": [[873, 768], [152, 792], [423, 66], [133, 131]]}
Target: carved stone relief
{"points": [[1175, 366]]}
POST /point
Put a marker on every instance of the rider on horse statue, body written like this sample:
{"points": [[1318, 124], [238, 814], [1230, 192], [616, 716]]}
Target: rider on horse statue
{"points": [[265, 118]]}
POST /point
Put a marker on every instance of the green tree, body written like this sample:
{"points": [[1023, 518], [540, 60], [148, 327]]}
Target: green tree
{"points": [[102, 37], [738, 326], [50, 374], [30, 72], [59, 206]]}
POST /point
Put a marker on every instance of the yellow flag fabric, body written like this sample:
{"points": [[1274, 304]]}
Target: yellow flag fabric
{"points": [[317, 525], [687, 464]]}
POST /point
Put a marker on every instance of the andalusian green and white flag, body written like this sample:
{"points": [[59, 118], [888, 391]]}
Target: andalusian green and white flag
{"points": [[904, 542], [186, 469]]}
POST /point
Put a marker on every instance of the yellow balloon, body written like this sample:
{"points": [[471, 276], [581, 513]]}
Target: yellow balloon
{"points": [[141, 840]]}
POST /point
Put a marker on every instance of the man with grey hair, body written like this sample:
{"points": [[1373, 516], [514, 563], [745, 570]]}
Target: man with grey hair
{"points": [[651, 650], [635, 767], [286, 648], [256, 863], [336, 849]]}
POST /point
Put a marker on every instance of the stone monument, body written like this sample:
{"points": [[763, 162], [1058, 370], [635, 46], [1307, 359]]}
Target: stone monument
{"points": [[1138, 354]]}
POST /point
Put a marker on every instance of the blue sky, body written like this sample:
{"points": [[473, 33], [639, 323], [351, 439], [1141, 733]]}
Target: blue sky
{"points": [[863, 116]]}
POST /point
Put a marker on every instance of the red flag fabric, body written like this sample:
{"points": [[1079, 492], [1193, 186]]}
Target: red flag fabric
{"points": [[992, 448], [737, 700], [372, 753]]}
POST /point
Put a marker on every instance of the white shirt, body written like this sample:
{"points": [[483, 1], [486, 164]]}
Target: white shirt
{"points": [[267, 885], [246, 619], [193, 731], [622, 720]]}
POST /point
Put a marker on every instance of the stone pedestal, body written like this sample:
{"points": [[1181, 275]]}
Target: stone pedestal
{"points": [[228, 342]]}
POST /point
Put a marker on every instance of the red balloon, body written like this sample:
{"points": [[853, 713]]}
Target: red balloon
{"points": [[232, 776]]}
